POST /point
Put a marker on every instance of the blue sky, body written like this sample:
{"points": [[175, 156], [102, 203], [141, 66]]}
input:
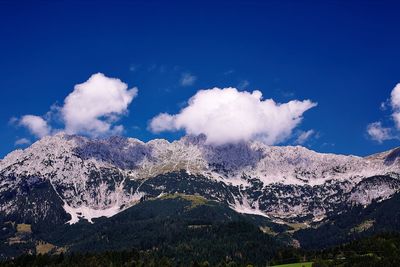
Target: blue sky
{"points": [[344, 56]]}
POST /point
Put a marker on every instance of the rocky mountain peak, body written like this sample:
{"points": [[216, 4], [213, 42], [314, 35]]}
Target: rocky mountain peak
{"points": [[101, 177]]}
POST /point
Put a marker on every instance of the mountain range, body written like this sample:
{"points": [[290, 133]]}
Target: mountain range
{"points": [[65, 181]]}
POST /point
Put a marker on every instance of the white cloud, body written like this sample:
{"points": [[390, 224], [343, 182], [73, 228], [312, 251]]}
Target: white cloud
{"points": [[379, 133], [395, 97], [227, 115], [93, 108], [187, 79], [22, 141], [36, 125], [304, 136], [162, 122], [395, 102], [95, 105]]}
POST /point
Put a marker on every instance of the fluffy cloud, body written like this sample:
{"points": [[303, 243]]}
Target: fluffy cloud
{"points": [[304, 136], [92, 108], [380, 133], [95, 105], [395, 102], [36, 125], [395, 97], [228, 116], [187, 79], [163, 122]]}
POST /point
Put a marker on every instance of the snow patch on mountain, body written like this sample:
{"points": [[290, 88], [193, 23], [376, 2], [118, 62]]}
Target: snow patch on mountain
{"points": [[89, 213], [246, 208]]}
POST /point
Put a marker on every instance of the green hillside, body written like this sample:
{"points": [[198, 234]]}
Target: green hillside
{"points": [[184, 228]]}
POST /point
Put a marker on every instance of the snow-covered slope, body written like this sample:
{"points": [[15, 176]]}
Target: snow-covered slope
{"points": [[94, 178]]}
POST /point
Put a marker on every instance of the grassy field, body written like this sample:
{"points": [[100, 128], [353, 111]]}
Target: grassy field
{"points": [[300, 264], [24, 228], [195, 200], [44, 247]]}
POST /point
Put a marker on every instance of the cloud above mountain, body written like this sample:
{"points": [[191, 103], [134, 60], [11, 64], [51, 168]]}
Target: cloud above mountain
{"points": [[22, 141], [395, 103], [225, 115], [36, 125], [379, 133], [376, 131], [228, 115], [92, 108], [303, 137], [95, 105]]}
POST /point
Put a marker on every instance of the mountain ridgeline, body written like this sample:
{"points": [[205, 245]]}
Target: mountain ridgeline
{"points": [[70, 193]]}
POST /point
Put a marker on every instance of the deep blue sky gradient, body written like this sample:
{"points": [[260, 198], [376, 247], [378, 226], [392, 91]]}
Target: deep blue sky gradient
{"points": [[345, 55]]}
